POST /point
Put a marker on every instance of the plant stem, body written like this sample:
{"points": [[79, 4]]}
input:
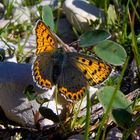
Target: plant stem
{"points": [[134, 44], [86, 134]]}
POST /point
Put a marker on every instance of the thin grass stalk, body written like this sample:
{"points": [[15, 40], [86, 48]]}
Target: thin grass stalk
{"points": [[75, 116], [134, 44], [134, 8], [86, 134], [58, 17]]}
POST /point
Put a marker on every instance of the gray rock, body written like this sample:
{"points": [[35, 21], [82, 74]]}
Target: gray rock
{"points": [[18, 3], [3, 23], [53, 3], [114, 134], [21, 15], [80, 13], [14, 78]]}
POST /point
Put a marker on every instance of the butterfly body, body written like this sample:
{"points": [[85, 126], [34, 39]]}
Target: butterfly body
{"points": [[58, 60], [71, 71]]}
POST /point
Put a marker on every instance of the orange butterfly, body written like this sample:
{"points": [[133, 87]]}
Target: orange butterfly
{"points": [[71, 71]]}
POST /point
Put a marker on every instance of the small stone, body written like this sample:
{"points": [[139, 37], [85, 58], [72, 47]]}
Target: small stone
{"points": [[114, 134], [14, 78], [53, 3], [21, 15], [80, 13], [3, 23]]}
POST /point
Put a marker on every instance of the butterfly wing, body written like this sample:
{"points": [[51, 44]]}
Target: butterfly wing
{"points": [[95, 71], [42, 70], [77, 69], [71, 83], [44, 38], [43, 66]]}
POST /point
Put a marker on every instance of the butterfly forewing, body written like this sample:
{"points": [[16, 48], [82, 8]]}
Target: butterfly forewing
{"points": [[44, 39], [95, 71]]}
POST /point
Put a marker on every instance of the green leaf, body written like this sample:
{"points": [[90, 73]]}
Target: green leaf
{"points": [[47, 16], [122, 117], [112, 16], [93, 37], [48, 113], [121, 109], [111, 52], [30, 93], [104, 95]]}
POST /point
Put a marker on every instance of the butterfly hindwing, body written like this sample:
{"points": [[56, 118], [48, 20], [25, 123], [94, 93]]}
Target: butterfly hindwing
{"points": [[44, 38], [95, 71], [42, 70], [71, 83]]}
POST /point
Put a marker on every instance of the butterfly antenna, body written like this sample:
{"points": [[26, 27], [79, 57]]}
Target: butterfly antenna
{"points": [[65, 46]]}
